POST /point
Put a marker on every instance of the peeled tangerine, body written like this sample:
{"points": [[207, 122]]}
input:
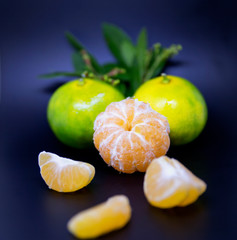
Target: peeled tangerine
{"points": [[168, 183], [101, 219], [64, 174], [129, 134]]}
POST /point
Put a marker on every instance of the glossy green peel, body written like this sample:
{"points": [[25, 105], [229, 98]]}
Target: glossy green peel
{"points": [[180, 101], [74, 106]]}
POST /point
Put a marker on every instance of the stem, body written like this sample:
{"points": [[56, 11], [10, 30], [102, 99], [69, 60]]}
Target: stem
{"points": [[86, 58], [81, 81], [115, 71], [109, 80], [161, 60], [165, 79], [154, 66]]}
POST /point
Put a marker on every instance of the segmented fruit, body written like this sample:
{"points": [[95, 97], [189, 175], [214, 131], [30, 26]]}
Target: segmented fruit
{"points": [[129, 134], [64, 174], [168, 183]]}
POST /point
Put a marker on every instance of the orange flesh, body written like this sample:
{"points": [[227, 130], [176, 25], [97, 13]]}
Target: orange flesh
{"points": [[168, 183], [102, 218], [129, 134], [64, 175]]}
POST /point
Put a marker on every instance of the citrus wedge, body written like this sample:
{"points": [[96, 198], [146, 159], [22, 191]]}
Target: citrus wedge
{"points": [[64, 174], [168, 183], [101, 219]]}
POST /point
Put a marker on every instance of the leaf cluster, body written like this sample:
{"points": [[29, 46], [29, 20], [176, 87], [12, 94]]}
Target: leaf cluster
{"points": [[134, 65]]}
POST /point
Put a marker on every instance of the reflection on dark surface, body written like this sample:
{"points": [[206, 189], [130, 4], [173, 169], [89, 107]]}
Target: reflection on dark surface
{"points": [[181, 223]]}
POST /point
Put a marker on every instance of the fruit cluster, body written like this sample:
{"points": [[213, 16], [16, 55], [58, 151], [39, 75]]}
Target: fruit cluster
{"points": [[130, 136], [74, 106]]}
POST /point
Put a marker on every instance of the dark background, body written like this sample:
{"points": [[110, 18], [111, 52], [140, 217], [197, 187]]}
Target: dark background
{"points": [[32, 42]]}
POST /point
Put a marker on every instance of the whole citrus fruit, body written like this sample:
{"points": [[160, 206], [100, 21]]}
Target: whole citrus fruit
{"points": [[178, 100], [74, 106], [129, 134]]}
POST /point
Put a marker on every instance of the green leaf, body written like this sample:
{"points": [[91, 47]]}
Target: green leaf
{"points": [[127, 53], [74, 42], [141, 53], [108, 67], [137, 69], [134, 79], [78, 47], [119, 44], [152, 54], [159, 69], [60, 74], [78, 62], [161, 58]]}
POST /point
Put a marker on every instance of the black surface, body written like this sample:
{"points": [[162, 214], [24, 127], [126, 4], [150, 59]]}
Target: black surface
{"points": [[32, 43]]}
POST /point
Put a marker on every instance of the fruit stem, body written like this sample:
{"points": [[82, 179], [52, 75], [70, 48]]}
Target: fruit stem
{"points": [[81, 81], [87, 60], [165, 79], [115, 71]]}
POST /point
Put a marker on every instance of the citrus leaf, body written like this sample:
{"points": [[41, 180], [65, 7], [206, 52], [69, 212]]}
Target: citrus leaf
{"points": [[108, 67], [119, 44], [141, 53], [135, 78], [136, 70], [152, 54], [161, 58], [78, 47], [127, 53], [78, 62], [60, 74], [74, 42]]}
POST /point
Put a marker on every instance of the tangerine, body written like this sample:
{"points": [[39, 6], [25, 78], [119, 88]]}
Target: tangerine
{"points": [[130, 134], [73, 107], [180, 101]]}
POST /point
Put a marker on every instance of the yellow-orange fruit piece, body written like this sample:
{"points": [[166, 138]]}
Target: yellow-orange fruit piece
{"points": [[64, 174], [129, 134], [168, 183], [101, 219]]}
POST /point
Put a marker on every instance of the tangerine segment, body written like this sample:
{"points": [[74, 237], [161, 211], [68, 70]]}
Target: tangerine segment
{"points": [[196, 185], [63, 174], [168, 183], [101, 219], [129, 134]]}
